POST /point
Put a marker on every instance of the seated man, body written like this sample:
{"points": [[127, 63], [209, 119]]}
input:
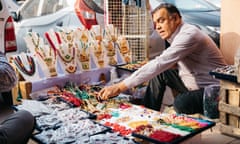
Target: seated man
{"points": [[192, 52], [17, 127]]}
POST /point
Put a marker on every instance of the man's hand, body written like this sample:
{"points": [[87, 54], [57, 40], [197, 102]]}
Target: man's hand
{"points": [[111, 91]]}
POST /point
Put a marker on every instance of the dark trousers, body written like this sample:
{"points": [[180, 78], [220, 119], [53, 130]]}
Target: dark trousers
{"points": [[17, 128], [188, 102]]}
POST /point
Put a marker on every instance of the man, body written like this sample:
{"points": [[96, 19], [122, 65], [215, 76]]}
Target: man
{"points": [[192, 52], [18, 126]]}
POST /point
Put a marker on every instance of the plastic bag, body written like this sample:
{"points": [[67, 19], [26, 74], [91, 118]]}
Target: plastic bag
{"points": [[210, 101]]}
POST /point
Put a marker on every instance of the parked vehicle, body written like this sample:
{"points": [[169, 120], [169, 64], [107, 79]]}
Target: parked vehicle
{"points": [[42, 15], [7, 33], [12, 5], [217, 3], [197, 12]]}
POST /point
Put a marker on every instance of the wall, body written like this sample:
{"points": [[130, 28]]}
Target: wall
{"points": [[230, 29]]}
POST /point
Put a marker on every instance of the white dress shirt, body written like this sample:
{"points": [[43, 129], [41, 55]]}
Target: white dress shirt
{"points": [[194, 53]]}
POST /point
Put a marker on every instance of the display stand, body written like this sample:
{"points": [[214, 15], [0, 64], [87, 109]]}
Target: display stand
{"points": [[229, 107], [229, 104], [27, 87]]}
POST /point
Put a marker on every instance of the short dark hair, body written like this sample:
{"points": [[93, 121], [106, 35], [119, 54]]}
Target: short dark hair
{"points": [[169, 7]]}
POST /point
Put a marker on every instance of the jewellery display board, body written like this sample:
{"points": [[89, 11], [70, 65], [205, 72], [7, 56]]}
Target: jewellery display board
{"points": [[71, 51], [154, 126]]}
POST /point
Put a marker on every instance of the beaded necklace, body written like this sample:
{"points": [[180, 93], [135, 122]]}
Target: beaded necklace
{"points": [[69, 58], [21, 66]]}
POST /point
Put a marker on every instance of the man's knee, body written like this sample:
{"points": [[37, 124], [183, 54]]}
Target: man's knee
{"points": [[25, 117]]}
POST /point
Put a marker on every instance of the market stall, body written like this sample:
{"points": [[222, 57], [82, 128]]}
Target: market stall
{"points": [[65, 75]]}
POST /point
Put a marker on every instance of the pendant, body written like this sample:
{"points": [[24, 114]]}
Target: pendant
{"points": [[112, 61], [52, 71], [84, 38], [101, 63], [127, 59], [85, 65], [71, 69]]}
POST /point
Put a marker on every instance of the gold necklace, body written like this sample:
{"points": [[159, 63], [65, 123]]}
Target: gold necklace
{"points": [[66, 52], [98, 53], [84, 56], [67, 37], [124, 49], [48, 59]]}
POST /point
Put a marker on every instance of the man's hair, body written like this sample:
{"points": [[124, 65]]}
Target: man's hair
{"points": [[169, 7]]}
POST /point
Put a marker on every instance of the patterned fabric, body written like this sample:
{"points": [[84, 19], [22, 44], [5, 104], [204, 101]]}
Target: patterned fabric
{"points": [[8, 78]]}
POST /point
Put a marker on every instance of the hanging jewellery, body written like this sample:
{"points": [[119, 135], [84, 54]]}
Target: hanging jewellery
{"points": [[49, 58], [22, 66], [124, 49], [84, 37], [67, 54], [84, 56], [67, 37], [98, 53]]}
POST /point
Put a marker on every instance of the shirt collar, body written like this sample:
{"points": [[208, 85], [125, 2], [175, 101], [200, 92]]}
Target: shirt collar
{"points": [[170, 40]]}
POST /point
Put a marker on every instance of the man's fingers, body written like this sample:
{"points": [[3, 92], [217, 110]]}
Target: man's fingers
{"points": [[102, 95]]}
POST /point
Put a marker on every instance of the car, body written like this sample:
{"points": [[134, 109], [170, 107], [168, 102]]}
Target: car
{"points": [[12, 5], [42, 15], [7, 30], [217, 3], [199, 13]]}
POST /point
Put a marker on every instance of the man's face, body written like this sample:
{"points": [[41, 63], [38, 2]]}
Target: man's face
{"points": [[165, 23]]}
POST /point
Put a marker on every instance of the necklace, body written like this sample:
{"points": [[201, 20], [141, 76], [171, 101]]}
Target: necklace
{"points": [[45, 54], [67, 37], [124, 49], [36, 44], [66, 52], [99, 53], [84, 56], [84, 37], [68, 59], [21, 66]]}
